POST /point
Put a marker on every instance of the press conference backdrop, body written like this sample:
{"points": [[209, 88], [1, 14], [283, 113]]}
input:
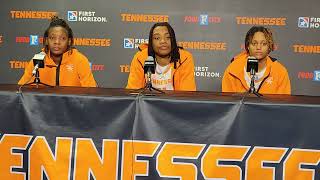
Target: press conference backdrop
{"points": [[109, 32]]}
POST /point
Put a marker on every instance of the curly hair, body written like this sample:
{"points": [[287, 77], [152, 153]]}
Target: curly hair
{"points": [[267, 33], [58, 22]]}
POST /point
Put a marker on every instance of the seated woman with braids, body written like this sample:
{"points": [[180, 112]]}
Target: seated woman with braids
{"points": [[174, 66], [272, 77], [64, 65]]}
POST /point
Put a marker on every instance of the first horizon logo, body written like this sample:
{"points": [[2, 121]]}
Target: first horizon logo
{"points": [[72, 16], [84, 16], [309, 22], [133, 43]]}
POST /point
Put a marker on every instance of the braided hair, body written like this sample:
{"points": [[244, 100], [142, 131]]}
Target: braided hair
{"points": [[174, 53]]}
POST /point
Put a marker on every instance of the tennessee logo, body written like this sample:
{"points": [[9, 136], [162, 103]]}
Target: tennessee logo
{"points": [[271, 21], [311, 49], [125, 68], [69, 67], [144, 18], [269, 81], [32, 14], [202, 45], [92, 42], [16, 64], [57, 164]]}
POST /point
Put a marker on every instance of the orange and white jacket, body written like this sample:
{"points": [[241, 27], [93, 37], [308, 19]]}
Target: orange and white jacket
{"points": [[275, 79], [74, 71], [183, 75]]}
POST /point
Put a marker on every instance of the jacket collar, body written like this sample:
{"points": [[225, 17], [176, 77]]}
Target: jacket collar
{"points": [[239, 63], [65, 58]]}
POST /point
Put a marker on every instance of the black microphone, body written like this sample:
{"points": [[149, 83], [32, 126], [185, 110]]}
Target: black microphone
{"points": [[38, 62], [149, 65], [149, 68], [252, 65]]}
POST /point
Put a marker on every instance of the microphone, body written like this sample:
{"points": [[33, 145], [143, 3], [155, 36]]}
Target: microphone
{"points": [[149, 65], [38, 62], [149, 68], [252, 65]]}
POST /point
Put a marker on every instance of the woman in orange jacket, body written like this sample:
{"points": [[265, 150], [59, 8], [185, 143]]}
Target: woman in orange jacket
{"points": [[174, 66], [64, 65], [271, 78]]}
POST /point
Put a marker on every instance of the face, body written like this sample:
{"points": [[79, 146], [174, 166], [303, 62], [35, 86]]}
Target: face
{"points": [[161, 41], [259, 47], [57, 41]]}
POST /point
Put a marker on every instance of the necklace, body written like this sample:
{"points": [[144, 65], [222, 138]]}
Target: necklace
{"points": [[162, 70]]}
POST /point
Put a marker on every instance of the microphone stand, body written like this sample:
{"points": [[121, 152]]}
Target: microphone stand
{"points": [[149, 69], [252, 88], [148, 86], [37, 78]]}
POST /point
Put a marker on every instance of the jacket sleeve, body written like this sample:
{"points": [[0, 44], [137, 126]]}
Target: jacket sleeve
{"points": [[227, 81], [85, 73], [27, 76], [284, 83], [136, 79], [186, 76]]}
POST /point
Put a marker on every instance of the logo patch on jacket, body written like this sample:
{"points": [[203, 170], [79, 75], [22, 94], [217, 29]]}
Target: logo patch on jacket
{"points": [[69, 67], [269, 81]]}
